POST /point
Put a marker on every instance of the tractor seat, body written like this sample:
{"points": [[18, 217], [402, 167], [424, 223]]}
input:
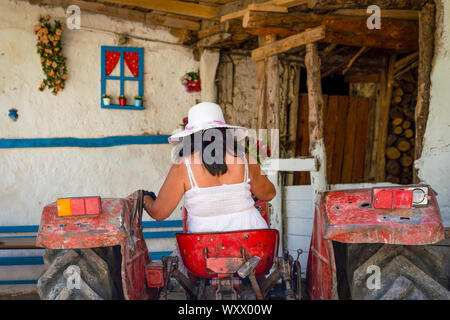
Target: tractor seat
{"points": [[220, 254]]}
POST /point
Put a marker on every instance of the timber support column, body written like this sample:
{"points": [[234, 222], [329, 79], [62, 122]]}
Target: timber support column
{"points": [[316, 136], [209, 61]]}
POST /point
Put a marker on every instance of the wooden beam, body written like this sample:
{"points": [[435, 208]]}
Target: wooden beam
{"points": [[400, 64], [273, 88], [346, 30], [214, 39], [353, 59], [124, 13], [315, 118], [283, 45], [240, 5], [173, 6], [300, 164], [152, 18], [261, 7], [386, 13], [363, 4], [426, 52]]}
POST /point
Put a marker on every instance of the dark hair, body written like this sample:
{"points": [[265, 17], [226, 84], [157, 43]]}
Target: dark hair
{"points": [[201, 140]]}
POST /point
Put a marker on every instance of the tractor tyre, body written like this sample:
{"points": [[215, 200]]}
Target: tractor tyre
{"points": [[81, 274], [405, 272]]}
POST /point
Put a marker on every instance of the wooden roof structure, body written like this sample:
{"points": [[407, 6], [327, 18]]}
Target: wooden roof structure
{"points": [[346, 44]]}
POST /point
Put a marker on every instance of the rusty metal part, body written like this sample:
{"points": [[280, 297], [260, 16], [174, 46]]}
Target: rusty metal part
{"points": [[248, 266]]}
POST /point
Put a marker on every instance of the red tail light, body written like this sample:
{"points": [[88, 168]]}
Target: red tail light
{"points": [[79, 206], [399, 198]]}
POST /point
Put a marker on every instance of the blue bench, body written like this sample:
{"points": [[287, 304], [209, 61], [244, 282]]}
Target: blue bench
{"points": [[30, 239]]}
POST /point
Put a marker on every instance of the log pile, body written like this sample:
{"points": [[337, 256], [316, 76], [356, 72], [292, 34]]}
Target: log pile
{"points": [[401, 138]]}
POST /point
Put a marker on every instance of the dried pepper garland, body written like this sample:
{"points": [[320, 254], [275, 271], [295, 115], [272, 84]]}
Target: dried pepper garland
{"points": [[50, 49]]}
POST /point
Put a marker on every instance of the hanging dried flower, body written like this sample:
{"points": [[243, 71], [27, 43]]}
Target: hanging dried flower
{"points": [[49, 47]]}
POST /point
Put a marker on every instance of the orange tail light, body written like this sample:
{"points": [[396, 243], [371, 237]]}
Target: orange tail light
{"points": [[79, 206]]}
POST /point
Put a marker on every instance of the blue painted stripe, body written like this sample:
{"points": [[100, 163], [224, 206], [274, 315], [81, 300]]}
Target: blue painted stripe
{"points": [[157, 256], [160, 234], [163, 224], [17, 282], [82, 143], [145, 224], [21, 261], [10, 229], [126, 107], [8, 237], [39, 260]]}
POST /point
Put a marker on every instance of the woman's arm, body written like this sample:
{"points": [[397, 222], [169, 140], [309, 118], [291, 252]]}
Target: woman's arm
{"points": [[169, 196], [260, 186]]}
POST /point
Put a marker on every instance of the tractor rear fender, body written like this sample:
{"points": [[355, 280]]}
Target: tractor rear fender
{"points": [[349, 216], [352, 216], [84, 231]]}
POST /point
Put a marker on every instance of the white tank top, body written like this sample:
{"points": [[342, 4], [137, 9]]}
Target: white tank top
{"points": [[218, 200]]}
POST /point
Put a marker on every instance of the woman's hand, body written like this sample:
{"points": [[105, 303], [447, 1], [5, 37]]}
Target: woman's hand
{"points": [[148, 202]]}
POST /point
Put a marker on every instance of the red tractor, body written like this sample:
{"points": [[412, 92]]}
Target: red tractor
{"points": [[380, 243], [366, 244], [95, 249]]}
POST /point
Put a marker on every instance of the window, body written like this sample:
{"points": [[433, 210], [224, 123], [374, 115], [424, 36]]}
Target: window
{"points": [[133, 59]]}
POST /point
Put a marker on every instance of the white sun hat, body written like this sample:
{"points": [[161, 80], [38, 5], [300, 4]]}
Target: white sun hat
{"points": [[202, 116]]}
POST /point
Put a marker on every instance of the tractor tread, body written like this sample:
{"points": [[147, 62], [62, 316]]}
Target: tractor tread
{"points": [[98, 274]]}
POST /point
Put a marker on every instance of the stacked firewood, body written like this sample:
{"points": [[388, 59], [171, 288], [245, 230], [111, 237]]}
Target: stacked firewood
{"points": [[400, 139]]}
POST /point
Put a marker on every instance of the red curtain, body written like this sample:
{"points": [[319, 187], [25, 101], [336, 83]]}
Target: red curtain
{"points": [[132, 61], [112, 58]]}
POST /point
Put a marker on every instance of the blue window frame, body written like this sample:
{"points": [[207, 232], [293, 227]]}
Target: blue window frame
{"points": [[122, 78]]}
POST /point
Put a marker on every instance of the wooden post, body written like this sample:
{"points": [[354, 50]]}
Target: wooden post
{"points": [[316, 136], [426, 51], [260, 101], [209, 60], [273, 89], [385, 106]]}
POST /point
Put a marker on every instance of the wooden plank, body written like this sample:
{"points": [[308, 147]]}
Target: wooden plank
{"points": [[272, 89], [383, 125], [125, 13], [362, 4], [297, 193], [360, 140], [283, 45], [370, 140], [349, 147], [214, 39], [426, 40], [315, 101], [338, 152], [347, 30], [291, 164], [330, 130], [173, 6], [302, 137], [235, 6], [386, 13], [152, 18]]}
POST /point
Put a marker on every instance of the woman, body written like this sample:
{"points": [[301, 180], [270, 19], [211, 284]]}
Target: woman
{"points": [[214, 176]]}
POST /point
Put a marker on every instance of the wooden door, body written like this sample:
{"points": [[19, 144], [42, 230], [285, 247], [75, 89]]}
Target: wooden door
{"points": [[348, 130]]}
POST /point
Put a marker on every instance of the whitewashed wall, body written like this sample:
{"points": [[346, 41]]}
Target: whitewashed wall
{"points": [[434, 165], [31, 178]]}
